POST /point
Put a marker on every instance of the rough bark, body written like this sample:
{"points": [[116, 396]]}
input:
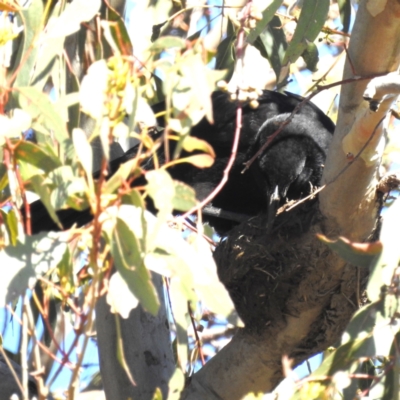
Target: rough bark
{"points": [[294, 294]]}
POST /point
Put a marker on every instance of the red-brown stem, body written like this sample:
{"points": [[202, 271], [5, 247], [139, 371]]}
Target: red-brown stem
{"points": [[240, 45], [197, 338]]}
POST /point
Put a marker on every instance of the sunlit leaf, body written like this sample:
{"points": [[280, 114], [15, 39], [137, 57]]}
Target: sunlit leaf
{"points": [[128, 259], [161, 189], [93, 89], [83, 151], [272, 45], [191, 143], [43, 112], [167, 42], [31, 257], [71, 18], [176, 385], [34, 155], [268, 14], [120, 297], [311, 20], [198, 160], [11, 223], [31, 19]]}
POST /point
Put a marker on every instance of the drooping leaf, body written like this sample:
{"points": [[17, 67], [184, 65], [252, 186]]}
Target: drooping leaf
{"points": [[311, 57], [119, 32], [51, 49], [128, 259], [31, 19], [44, 192], [345, 14], [34, 155], [84, 152], [167, 42], [225, 57], [120, 298], [176, 385], [71, 18], [191, 143], [311, 20], [272, 45], [93, 90], [32, 256], [161, 189], [124, 171], [198, 160], [11, 223], [45, 115], [268, 14]]}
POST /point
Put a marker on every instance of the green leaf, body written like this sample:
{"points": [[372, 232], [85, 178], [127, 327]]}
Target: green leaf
{"points": [[345, 14], [44, 192], [34, 155], [391, 380], [71, 18], [27, 51], [32, 256], [124, 171], [176, 385], [161, 189], [191, 143], [272, 45], [119, 32], [84, 152], [133, 198], [361, 254], [385, 266], [44, 113], [3, 177], [128, 259], [68, 190], [184, 198], [310, 56], [268, 14], [225, 57], [311, 20], [51, 49], [120, 296], [167, 42], [13, 126], [93, 90], [11, 223], [198, 160]]}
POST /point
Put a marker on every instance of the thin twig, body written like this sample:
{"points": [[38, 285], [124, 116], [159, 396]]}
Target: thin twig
{"points": [[197, 338]]}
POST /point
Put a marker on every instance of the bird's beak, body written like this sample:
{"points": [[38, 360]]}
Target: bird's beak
{"points": [[272, 207]]}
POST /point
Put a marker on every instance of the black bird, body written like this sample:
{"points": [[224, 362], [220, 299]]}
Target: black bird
{"points": [[287, 169]]}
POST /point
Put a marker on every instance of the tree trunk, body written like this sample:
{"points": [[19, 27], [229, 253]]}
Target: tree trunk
{"points": [[295, 295], [147, 350]]}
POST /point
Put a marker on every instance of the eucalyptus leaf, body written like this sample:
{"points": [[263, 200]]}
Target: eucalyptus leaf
{"points": [[32, 256], [312, 18]]}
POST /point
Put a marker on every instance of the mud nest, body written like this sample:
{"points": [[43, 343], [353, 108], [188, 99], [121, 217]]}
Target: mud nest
{"points": [[270, 276]]}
